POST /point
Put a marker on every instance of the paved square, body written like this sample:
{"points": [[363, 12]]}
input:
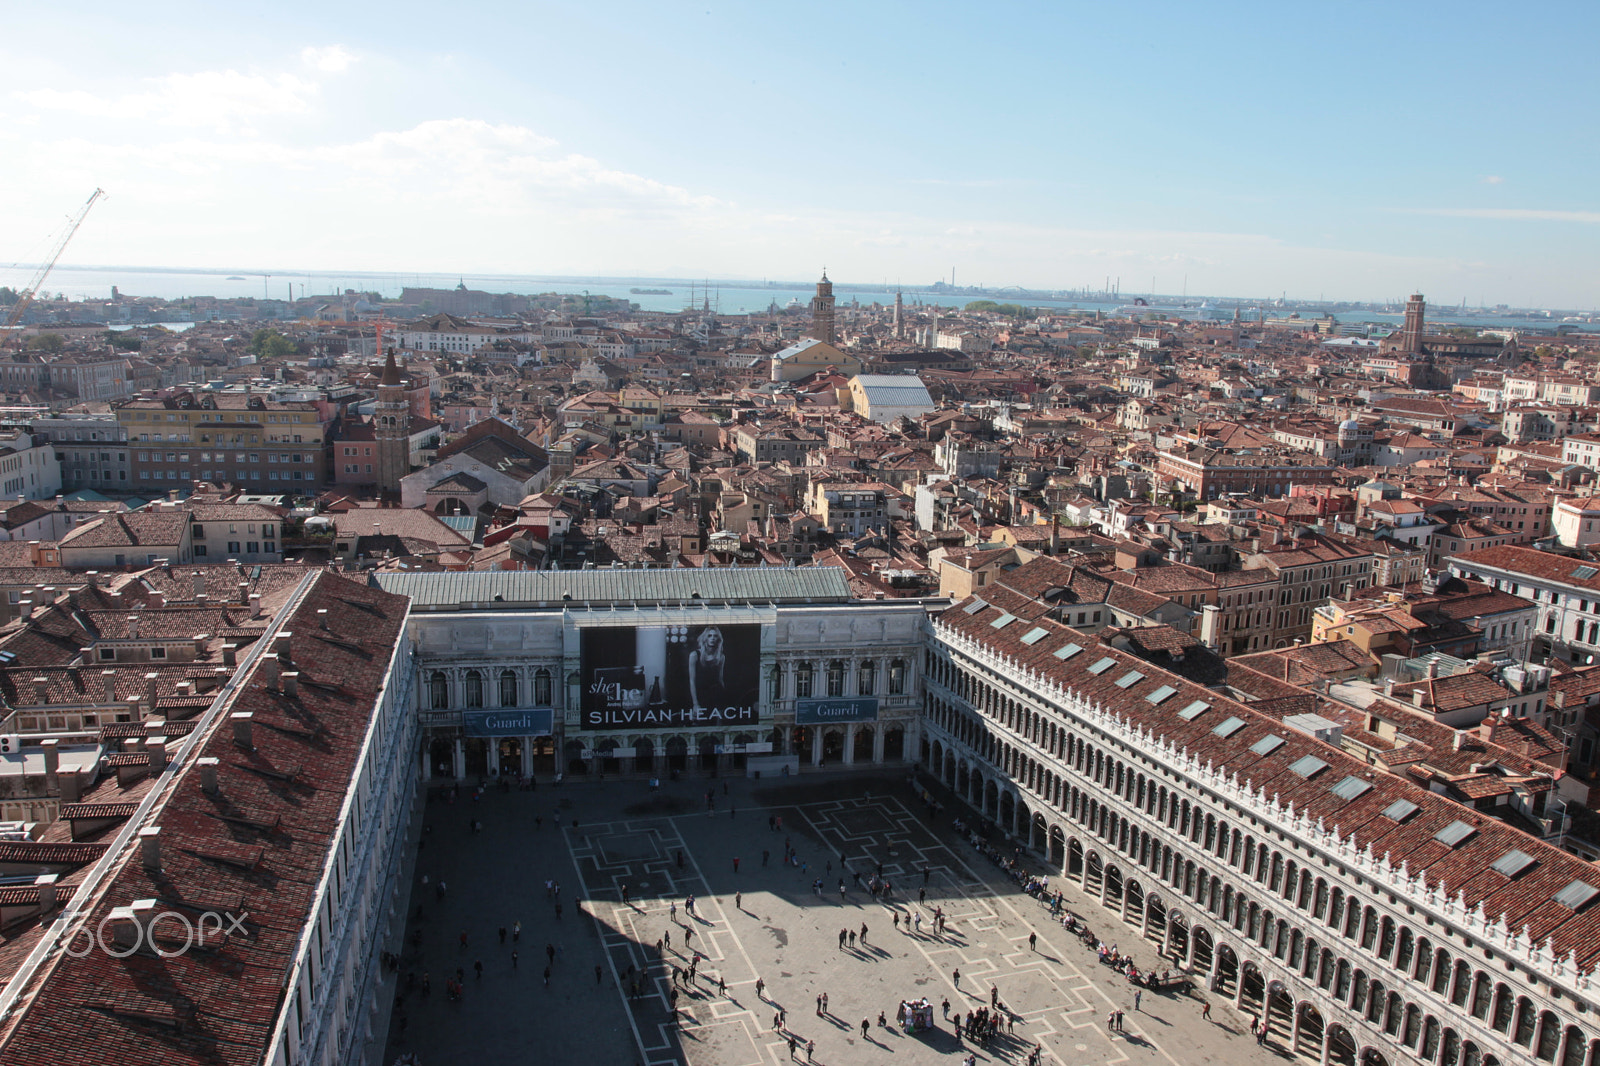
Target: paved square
{"points": [[621, 862]]}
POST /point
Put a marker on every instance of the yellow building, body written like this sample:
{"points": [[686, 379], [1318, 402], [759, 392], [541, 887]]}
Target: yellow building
{"points": [[808, 357]]}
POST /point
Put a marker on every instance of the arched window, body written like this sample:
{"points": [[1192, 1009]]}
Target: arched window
{"points": [[438, 691], [541, 688], [474, 689], [508, 688], [835, 679], [802, 680], [897, 677], [867, 678]]}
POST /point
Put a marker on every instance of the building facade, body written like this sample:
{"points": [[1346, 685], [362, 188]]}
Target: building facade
{"points": [[541, 672]]}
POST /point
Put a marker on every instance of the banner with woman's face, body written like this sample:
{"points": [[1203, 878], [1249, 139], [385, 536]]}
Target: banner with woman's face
{"points": [[652, 677]]}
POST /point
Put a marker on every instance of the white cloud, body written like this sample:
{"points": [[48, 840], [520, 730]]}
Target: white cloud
{"points": [[1493, 179], [333, 59], [214, 98]]}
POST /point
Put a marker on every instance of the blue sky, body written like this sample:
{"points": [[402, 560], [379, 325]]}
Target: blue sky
{"points": [[1351, 150]]}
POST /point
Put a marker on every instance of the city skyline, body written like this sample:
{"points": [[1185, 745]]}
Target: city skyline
{"points": [[1246, 151]]}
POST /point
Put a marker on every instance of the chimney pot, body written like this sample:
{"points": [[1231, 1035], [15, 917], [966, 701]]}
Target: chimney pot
{"points": [[255, 605], [41, 691], [230, 654], [108, 678], [71, 784], [46, 884], [208, 773], [199, 584], [125, 929], [291, 682], [241, 728], [269, 671], [52, 755], [158, 598], [157, 747], [150, 847], [93, 577], [150, 680], [280, 645]]}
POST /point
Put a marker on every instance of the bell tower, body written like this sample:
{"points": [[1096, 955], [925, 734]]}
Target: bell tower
{"points": [[822, 310], [391, 422]]}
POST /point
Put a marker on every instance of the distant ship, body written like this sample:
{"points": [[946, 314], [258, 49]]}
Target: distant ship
{"points": [[238, 278], [651, 292]]}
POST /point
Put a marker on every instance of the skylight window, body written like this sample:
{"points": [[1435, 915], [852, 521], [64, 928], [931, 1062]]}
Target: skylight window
{"points": [[1454, 833], [1309, 766], [1351, 787], [1103, 665], [1229, 726], [1067, 651], [1576, 895], [1400, 810], [1584, 573], [1034, 635], [1267, 744], [1163, 693], [974, 607], [1514, 862], [1005, 619], [1194, 710], [1130, 679]]}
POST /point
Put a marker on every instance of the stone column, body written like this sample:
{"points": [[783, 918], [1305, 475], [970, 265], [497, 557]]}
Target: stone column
{"points": [[1294, 1029], [1238, 991], [816, 745], [850, 744], [1166, 935], [1214, 975], [1123, 912], [877, 744], [460, 761], [1327, 1042], [527, 756], [1144, 916]]}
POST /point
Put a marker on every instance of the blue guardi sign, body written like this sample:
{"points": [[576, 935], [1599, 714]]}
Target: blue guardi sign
{"points": [[821, 712], [537, 722]]}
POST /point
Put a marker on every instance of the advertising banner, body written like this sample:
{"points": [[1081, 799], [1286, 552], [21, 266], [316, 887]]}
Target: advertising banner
{"points": [[537, 722], [661, 677], [821, 712]]}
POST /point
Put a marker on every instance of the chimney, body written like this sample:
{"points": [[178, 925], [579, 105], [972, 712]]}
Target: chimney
{"points": [[46, 884], [71, 784], [291, 682], [1417, 695], [199, 584], [155, 727], [230, 654], [244, 593], [1388, 686], [269, 671], [255, 605], [150, 847], [200, 642], [241, 729], [1055, 534], [280, 646], [125, 929], [52, 755], [108, 678], [1458, 740], [157, 747], [158, 598], [41, 691], [1433, 669], [208, 774], [93, 577], [150, 680], [25, 610]]}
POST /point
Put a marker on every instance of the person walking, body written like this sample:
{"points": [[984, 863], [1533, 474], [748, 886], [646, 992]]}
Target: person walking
{"points": [[760, 984], [824, 1003], [1205, 1010], [811, 1051], [852, 938], [514, 957], [738, 901], [477, 965], [502, 934], [736, 864], [547, 977], [918, 920], [866, 1027], [597, 973], [777, 1022], [1033, 939], [819, 1006], [863, 933], [516, 931], [1137, 995], [955, 978], [994, 995]]}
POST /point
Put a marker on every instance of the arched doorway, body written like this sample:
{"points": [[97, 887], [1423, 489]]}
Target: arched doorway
{"points": [[1227, 970], [1058, 849], [1114, 887], [950, 770], [738, 758], [1039, 839], [1156, 919], [576, 763], [544, 754], [832, 746], [605, 760], [800, 743], [861, 750], [1007, 812], [1280, 1010], [1252, 988], [1203, 950], [1309, 1040], [677, 753], [442, 757], [1093, 874], [644, 755], [894, 745], [477, 753], [707, 750], [1341, 1046], [510, 755], [991, 799], [1374, 1057], [960, 780], [1177, 935]]}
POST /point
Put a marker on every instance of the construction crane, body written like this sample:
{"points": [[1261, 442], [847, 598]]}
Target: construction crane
{"points": [[25, 297]]}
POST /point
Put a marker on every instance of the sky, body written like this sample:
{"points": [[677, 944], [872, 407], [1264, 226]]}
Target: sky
{"points": [[1349, 151]]}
